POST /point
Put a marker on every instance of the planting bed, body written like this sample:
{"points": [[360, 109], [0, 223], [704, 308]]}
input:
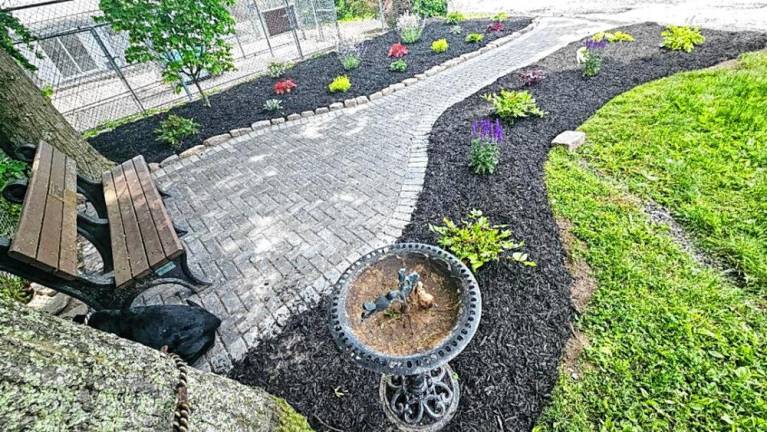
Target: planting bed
{"points": [[242, 105], [508, 371]]}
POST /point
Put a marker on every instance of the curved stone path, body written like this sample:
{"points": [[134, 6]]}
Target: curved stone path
{"points": [[275, 216]]}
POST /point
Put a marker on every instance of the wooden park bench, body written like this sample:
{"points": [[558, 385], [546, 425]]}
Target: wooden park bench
{"points": [[132, 231]]}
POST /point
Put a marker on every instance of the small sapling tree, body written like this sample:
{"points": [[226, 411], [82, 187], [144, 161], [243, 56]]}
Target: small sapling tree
{"points": [[185, 36]]}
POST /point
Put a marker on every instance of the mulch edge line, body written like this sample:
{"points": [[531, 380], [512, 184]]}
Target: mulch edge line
{"points": [[220, 142]]}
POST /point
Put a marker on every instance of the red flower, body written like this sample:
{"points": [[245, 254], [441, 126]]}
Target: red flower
{"points": [[496, 27], [397, 50], [284, 86]]}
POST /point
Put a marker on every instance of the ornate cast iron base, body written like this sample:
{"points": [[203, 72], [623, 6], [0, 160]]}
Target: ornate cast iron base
{"points": [[425, 402]]}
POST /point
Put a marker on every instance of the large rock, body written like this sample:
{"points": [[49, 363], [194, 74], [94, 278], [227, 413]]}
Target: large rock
{"points": [[57, 375], [571, 139]]}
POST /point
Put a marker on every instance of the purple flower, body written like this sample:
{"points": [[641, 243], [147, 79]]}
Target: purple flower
{"points": [[595, 45], [533, 76], [488, 130]]}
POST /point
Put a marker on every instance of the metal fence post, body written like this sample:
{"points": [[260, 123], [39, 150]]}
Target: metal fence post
{"points": [[116, 68], [263, 27], [316, 21], [382, 14], [292, 22]]}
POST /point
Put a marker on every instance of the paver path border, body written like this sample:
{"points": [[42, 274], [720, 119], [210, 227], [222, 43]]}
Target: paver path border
{"points": [[277, 214]]}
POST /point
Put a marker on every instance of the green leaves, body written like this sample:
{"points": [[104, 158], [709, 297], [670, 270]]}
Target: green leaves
{"points": [[174, 129], [341, 84], [483, 156], [477, 242], [681, 38], [511, 105], [185, 36], [9, 26]]}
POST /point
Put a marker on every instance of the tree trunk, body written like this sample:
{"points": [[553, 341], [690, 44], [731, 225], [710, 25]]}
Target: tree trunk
{"points": [[393, 9], [27, 117], [203, 95], [57, 375]]}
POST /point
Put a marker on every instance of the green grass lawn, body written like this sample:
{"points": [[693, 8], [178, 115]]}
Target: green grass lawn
{"points": [[696, 143], [674, 346]]}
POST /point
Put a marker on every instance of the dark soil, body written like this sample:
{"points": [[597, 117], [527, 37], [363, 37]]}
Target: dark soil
{"points": [[241, 106], [509, 370]]}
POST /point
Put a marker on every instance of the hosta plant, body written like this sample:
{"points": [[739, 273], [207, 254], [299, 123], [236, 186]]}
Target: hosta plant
{"points": [[486, 135], [174, 129], [532, 76], [475, 37], [682, 38], [476, 242], [273, 105], [612, 37], [454, 18], [511, 105], [284, 86], [397, 50], [410, 27], [439, 46], [340, 84], [398, 66], [277, 68]]}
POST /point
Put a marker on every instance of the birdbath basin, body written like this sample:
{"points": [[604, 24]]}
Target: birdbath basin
{"points": [[405, 311]]}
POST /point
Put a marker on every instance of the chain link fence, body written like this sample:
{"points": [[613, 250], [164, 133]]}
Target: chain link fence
{"points": [[84, 71]]}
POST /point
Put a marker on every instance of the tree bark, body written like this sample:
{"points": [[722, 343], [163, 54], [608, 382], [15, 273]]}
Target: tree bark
{"points": [[26, 117], [57, 375]]}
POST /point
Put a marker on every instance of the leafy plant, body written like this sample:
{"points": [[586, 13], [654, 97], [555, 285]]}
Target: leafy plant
{"points": [[340, 84], [454, 18], [475, 37], [47, 92], [186, 37], [439, 46], [350, 53], [273, 105], [495, 27], [397, 50], [398, 65], [500, 17], [532, 76], [456, 30], [486, 136], [612, 37], [476, 242], [592, 64], [682, 38], [174, 129], [351, 62], [284, 86], [430, 8], [511, 105], [10, 26], [347, 10], [410, 28], [276, 68]]}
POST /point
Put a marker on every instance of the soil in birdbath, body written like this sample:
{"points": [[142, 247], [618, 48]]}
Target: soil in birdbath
{"points": [[404, 331]]}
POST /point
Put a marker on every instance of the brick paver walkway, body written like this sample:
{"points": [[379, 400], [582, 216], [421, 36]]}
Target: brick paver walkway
{"points": [[277, 215]]}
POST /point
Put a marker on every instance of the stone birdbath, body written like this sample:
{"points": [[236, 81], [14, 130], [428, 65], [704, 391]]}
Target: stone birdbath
{"points": [[405, 311]]}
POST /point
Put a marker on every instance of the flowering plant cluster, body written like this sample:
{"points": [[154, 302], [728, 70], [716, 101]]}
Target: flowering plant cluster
{"points": [[592, 45], [488, 130], [484, 154], [397, 50], [410, 27], [284, 86], [532, 77]]}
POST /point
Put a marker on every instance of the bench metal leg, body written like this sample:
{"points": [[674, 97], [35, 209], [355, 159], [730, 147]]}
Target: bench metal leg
{"points": [[184, 264], [180, 231], [163, 192], [96, 231], [94, 193]]}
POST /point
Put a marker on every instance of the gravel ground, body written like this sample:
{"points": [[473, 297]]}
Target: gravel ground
{"points": [[241, 106], [508, 371]]}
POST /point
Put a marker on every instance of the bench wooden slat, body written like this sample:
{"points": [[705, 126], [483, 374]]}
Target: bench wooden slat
{"points": [[136, 255], [171, 244], [152, 246], [122, 270], [68, 251], [27, 237], [50, 236]]}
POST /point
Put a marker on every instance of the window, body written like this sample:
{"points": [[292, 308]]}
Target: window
{"points": [[69, 55]]}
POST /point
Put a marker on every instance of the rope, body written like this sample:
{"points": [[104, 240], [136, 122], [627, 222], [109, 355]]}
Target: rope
{"points": [[181, 415]]}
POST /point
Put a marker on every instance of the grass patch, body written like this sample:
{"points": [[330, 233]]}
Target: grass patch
{"points": [[673, 346], [696, 143]]}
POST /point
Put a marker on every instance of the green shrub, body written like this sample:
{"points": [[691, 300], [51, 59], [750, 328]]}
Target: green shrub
{"points": [[475, 37], [681, 38], [483, 157], [14, 288], [276, 68], [439, 46], [500, 17], [273, 105], [454, 18], [351, 61], [511, 105], [592, 64], [174, 129], [347, 10], [619, 36], [476, 242], [456, 30], [430, 8], [340, 84], [398, 65], [410, 28]]}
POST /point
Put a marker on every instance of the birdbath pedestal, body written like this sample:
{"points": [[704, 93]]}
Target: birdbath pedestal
{"points": [[405, 311]]}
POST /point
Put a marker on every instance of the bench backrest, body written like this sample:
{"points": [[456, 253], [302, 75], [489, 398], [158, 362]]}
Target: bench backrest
{"points": [[46, 235]]}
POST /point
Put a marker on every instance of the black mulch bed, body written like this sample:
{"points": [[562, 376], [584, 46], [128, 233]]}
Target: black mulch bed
{"points": [[509, 370], [241, 106]]}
